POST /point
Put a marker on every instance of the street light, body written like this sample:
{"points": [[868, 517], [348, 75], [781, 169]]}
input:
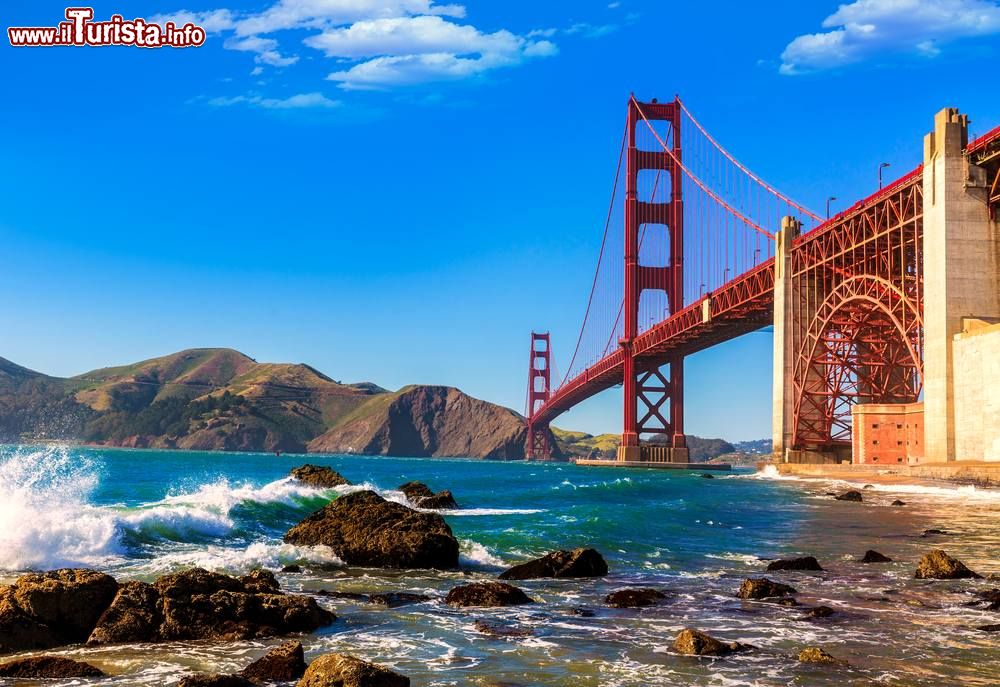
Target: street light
{"points": [[880, 168], [828, 201]]}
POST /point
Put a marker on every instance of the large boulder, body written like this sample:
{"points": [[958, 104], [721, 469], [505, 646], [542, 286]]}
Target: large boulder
{"points": [[937, 565], [804, 563], [575, 563], [341, 670], [43, 610], [319, 476], [763, 588], [198, 604], [48, 667], [872, 556], [850, 495], [214, 680], [364, 529], [283, 663], [487, 594], [634, 598], [421, 496], [695, 643]]}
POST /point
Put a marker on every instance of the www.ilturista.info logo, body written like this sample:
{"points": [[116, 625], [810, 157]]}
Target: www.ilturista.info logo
{"points": [[80, 29]]}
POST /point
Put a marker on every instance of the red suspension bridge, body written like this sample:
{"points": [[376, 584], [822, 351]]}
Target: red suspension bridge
{"points": [[697, 250]]}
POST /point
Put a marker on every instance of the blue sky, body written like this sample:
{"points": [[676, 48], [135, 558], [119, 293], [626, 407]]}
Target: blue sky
{"points": [[400, 190]]}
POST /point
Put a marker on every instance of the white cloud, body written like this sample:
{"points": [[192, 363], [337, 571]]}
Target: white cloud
{"points": [[866, 28], [213, 21], [591, 30], [294, 14], [275, 59], [295, 102]]}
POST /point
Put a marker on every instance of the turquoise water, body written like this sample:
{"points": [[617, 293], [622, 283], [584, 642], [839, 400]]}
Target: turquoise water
{"points": [[139, 514]]}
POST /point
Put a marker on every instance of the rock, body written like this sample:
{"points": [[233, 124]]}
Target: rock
{"points": [[394, 599], [933, 532], [707, 476], [763, 588], [319, 476], [347, 596], [937, 565], [583, 612], [48, 667], [990, 600], [214, 680], [634, 598], [804, 563], [785, 601], [443, 500], [293, 568], [850, 495], [868, 486], [421, 496], [575, 563], [133, 616], [415, 491], [813, 654], [872, 556], [283, 663], [197, 604], [341, 670], [897, 502], [44, 610], [364, 529], [694, 643], [819, 612], [988, 628], [495, 629], [487, 594]]}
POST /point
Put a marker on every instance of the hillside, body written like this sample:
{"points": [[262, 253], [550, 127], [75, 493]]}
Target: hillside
{"points": [[221, 399], [582, 445]]}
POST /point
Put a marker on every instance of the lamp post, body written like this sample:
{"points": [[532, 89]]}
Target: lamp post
{"points": [[828, 201], [880, 168]]}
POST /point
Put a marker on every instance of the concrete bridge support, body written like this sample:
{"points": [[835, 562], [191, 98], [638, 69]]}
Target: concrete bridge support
{"points": [[784, 353], [961, 271]]}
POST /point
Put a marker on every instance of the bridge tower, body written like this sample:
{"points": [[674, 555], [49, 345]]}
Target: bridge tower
{"points": [[646, 386], [537, 442]]}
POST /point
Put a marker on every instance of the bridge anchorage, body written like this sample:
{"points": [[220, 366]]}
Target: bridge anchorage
{"points": [[698, 250]]}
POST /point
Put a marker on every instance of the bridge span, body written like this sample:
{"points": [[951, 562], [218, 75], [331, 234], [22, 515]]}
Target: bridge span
{"points": [[698, 250]]}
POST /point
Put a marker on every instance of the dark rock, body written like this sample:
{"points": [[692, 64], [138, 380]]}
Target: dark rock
{"points": [[443, 500], [319, 476], [868, 486], [421, 496], [634, 598], [214, 680], [988, 628], [813, 654], [937, 565], [819, 612], [763, 588], [897, 502], [197, 604], [804, 563], [575, 563], [394, 599], [707, 476], [283, 663], [831, 493], [694, 643], [133, 616], [487, 594], [495, 629], [583, 612], [44, 610], [341, 670], [783, 601], [415, 491], [293, 568], [933, 532], [364, 529], [850, 495], [872, 556], [48, 667], [990, 599], [347, 596]]}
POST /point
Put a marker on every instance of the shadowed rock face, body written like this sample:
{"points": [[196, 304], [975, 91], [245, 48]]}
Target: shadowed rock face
{"points": [[421, 496], [364, 529], [281, 664], [487, 594], [937, 565], [341, 670], [319, 476], [804, 563], [872, 556], [43, 610], [634, 598], [575, 563], [48, 667], [763, 588], [694, 643]]}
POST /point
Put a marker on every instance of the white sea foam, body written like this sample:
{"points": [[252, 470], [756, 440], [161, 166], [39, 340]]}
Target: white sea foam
{"points": [[231, 560], [474, 555]]}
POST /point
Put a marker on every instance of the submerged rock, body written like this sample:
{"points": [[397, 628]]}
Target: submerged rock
{"points": [[283, 663], [496, 629], [937, 565], [813, 654], [48, 667], [872, 556], [421, 496], [319, 476], [394, 599], [575, 563], [819, 612], [44, 610], [634, 598], [850, 495], [487, 594], [897, 502], [364, 529], [933, 532], [293, 568], [989, 600], [705, 475], [695, 643], [342, 670], [988, 628], [763, 588], [804, 563], [214, 680]]}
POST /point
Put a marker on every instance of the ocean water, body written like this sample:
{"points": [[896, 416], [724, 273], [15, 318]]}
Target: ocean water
{"points": [[140, 514]]}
